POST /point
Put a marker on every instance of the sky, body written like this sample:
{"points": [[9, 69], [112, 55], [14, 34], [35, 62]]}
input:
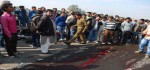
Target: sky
{"points": [[127, 8]]}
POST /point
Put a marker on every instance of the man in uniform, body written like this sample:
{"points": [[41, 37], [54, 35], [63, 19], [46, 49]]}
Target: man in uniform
{"points": [[81, 28]]}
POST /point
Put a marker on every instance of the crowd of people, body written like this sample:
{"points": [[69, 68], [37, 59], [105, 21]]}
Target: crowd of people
{"points": [[47, 26]]}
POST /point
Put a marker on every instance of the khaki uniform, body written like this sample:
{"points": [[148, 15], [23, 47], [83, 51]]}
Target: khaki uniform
{"points": [[81, 27]]}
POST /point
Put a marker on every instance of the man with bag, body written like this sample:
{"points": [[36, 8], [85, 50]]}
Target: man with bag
{"points": [[34, 29]]}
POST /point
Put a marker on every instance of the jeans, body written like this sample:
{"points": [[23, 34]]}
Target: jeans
{"points": [[143, 43], [93, 35], [36, 39], [72, 32], [61, 30], [139, 35]]}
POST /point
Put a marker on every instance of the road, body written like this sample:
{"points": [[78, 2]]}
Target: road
{"points": [[79, 57]]}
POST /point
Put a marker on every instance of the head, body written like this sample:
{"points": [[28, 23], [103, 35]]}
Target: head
{"points": [[33, 8], [141, 21], [84, 16], [39, 12], [55, 10], [110, 18], [62, 14], [89, 14], [39, 9], [43, 9], [63, 10], [78, 16], [117, 17], [72, 13], [97, 17], [21, 7], [121, 19], [128, 19], [104, 18], [7, 7], [49, 12], [94, 14]]}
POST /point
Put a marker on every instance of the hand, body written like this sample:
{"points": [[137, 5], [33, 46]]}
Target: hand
{"points": [[73, 27], [83, 31], [10, 38]]}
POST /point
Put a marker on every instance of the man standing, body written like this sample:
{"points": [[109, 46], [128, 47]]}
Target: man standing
{"points": [[126, 28], [139, 28], [55, 14], [9, 25], [46, 30], [33, 28], [32, 13], [110, 26], [22, 16]]}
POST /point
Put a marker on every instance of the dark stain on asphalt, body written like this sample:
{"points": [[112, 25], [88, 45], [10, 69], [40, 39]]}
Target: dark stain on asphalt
{"points": [[70, 60]]}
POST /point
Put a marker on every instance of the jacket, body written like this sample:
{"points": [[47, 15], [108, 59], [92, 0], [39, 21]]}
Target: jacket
{"points": [[45, 26], [140, 27]]}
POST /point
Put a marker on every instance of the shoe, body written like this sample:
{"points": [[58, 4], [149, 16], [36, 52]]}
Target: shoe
{"points": [[46, 53], [108, 43], [83, 43], [16, 52], [95, 42], [103, 43], [146, 56], [67, 43], [64, 39], [13, 56], [61, 40], [139, 51], [87, 41]]}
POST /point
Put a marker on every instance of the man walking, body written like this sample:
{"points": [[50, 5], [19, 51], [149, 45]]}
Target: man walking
{"points": [[81, 28]]}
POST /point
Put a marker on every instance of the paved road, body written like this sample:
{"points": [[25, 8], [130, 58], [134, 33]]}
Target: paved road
{"points": [[80, 57]]}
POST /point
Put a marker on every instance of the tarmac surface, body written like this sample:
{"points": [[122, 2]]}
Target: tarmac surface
{"points": [[76, 57]]}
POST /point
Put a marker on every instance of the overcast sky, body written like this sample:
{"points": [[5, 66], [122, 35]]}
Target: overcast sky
{"points": [[125, 8]]}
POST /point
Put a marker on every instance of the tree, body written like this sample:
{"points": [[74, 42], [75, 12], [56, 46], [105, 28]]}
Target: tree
{"points": [[76, 8]]}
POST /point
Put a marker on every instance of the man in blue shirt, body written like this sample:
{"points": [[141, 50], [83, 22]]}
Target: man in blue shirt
{"points": [[22, 16], [32, 13], [61, 24]]}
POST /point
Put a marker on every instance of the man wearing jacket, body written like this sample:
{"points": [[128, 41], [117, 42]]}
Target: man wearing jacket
{"points": [[22, 16], [139, 28], [33, 28], [9, 25], [46, 30]]}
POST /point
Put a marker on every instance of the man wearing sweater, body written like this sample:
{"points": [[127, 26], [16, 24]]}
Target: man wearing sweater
{"points": [[61, 24], [126, 28], [109, 27]]}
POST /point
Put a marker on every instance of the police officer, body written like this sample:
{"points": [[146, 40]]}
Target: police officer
{"points": [[81, 28]]}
